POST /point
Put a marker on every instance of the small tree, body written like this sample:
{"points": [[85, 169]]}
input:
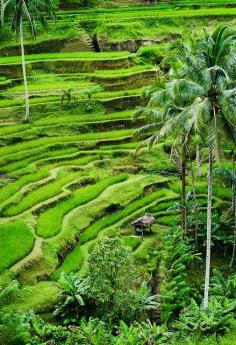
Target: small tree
{"points": [[89, 92], [112, 277]]}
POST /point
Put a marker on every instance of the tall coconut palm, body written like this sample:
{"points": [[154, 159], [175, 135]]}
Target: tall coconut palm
{"points": [[210, 107], [163, 109], [28, 11], [214, 110]]}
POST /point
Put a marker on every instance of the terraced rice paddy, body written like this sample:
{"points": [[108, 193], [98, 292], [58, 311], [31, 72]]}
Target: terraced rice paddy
{"points": [[70, 176]]}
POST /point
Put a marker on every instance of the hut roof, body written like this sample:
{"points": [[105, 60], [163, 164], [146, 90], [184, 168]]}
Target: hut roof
{"points": [[145, 220]]}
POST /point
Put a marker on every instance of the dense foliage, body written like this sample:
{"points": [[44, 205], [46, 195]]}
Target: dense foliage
{"points": [[79, 264]]}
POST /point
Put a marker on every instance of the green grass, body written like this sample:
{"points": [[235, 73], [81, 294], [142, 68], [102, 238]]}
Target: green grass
{"points": [[74, 260], [156, 12], [65, 56], [47, 191], [39, 297], [29, 145], [6, 103], [122, 71], [64, 119], [35, 175], [71, 263], [91, 232], [132, 241], [49, 222], [34, 156], [12, 188], [8, 130], [16, 241], [167, 220]]}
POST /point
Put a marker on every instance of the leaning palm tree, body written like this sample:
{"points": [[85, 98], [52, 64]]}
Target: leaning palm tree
{"points": [[28, 11], [210, 107]]}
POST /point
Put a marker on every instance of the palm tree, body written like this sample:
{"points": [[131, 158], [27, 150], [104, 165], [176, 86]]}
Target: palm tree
{"points": [[26, 11], [162, 107], [210, 106], [212, 114]]}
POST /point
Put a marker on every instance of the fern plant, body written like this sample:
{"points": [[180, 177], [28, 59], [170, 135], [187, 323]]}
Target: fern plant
{"points": [[174, 288], [217, 319], [223, 288]]}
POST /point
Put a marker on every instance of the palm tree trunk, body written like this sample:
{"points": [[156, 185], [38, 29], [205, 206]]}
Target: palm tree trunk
{"points": [[234, 213], [198, 162], [183, 196], [208, 241], [2, 13], [27, 106], [195, 204]]}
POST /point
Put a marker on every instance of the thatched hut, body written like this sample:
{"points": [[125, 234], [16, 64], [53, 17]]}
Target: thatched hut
{"points": [[143, 224]]}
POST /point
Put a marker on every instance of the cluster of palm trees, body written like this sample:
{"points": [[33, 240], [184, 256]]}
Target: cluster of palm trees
{"points": [[198, 100], [29, 12]]}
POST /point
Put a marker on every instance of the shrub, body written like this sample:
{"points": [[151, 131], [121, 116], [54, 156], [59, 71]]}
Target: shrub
{"points": [[217, 319], [111, 277]]}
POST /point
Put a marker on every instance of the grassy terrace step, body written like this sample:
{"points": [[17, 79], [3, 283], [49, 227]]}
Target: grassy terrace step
{"points": [[56, 98], [78, 197], [81, 217], [64, 119], [65, 125], [66, 56], [51, 163], [11, 66], [70, 129], [44, 88], [40, 154], [28, 200], [6, 151], [161, 6], [78, 76], [36, 176], [16, 242], [49, 86], [39, 297], [74, 260], [155, 13]]}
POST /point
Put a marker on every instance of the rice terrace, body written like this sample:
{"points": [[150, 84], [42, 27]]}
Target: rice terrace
{"points": [[117, 172]]}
